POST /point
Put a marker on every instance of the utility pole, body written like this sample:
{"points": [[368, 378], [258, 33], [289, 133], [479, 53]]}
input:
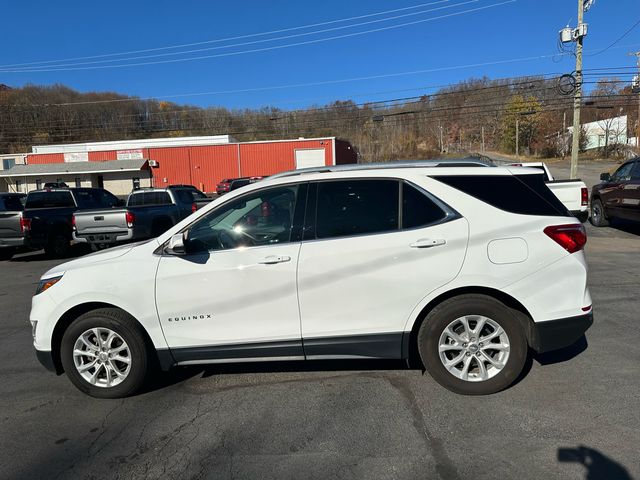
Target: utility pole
{"points": [[517, 138], [441, 142], [637, 55], [577, 98], [564, 134], [482, 130]]}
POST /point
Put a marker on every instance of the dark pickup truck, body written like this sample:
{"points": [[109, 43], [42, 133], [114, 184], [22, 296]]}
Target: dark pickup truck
{"points": [[47, 217], [11, 233], [149, 212], [618, 195]]}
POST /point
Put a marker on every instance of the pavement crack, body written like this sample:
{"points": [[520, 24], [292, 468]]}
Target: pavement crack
{"points": [[445, 467]]}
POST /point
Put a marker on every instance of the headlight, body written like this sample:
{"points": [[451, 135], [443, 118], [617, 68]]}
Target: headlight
{"points": [[34, 325], [47, 284]]}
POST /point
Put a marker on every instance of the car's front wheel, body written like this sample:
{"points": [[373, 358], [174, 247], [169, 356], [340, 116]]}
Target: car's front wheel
{"points": [[598, 217], [104, 354], [473, 345]]}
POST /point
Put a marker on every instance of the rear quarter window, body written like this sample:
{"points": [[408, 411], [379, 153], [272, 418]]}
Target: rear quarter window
{"points": [[521, 194]]}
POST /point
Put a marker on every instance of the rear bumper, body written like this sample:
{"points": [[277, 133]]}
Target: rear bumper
{"points": [[556, 334], [104, 238], [14, 242], [46, 359]]}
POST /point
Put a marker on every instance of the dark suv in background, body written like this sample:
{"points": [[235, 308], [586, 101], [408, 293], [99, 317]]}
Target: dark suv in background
{"points": [[618, 195]]}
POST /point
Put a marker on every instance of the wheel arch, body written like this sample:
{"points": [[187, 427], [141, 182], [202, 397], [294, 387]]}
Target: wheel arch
{"points": [[75, 312], [409, 339]]}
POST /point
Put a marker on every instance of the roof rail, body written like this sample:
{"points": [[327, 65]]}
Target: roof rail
{"points": [[457, 162]]}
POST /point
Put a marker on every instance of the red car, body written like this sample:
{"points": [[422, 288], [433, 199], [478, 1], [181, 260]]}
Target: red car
{"points": [[225, 186]]}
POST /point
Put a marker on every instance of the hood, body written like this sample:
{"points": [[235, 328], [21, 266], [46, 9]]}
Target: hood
{"points": [[93, 258]]}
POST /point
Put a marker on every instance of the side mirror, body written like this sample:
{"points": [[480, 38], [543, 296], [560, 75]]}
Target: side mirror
{"points": [[176, 245], [605, 176]]}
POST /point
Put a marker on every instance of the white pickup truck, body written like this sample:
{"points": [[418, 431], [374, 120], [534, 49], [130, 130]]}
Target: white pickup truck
{"points": [[574, 194]]}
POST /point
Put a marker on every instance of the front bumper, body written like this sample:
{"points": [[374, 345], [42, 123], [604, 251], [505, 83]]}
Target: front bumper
{"points": [[47, 361], [556, 334]]}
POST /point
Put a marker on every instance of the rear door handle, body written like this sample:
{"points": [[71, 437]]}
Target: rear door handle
{"points": [[428, 242], [273, 259]]}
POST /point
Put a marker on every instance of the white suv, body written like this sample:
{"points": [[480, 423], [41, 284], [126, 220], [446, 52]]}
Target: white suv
{"points": [[463, 268]]}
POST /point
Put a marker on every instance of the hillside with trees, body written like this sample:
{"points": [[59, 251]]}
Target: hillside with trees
{"points": [[457, 118]]}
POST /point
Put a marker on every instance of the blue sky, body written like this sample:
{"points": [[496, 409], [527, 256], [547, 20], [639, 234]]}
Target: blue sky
{"points": [[35, 31]]}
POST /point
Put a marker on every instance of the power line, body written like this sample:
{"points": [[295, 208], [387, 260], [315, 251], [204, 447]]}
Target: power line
{"points": [[617, 40], [263, 49], [433, 113], [286, 37], [220, 40], [373, 106], [300, 85]]}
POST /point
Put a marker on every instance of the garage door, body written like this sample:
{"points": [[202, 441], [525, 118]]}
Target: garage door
{"points": [[312, 157]]}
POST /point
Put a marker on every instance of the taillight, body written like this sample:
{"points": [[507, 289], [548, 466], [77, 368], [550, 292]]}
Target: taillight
{"points": [[194, 207], [585, 196], [130, 219], [571, 237], [73, 223], [25, 224]]}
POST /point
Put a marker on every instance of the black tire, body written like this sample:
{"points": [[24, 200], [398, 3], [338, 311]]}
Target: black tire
{"points": [[58, 246], [583, 216], [129, 330], [598, 216], [447, 312], [6, 253]]}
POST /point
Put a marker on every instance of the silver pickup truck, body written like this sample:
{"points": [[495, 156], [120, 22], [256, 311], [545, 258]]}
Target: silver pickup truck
{"points": [[149, 212], [11, 231]]}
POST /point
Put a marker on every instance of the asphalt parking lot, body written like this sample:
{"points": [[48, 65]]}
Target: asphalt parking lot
{"points": [[574, 416]]}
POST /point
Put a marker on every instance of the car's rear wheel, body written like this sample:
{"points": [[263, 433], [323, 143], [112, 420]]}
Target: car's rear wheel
{"points": [[58, 246], [104, 354], [598, 217], [473, 345]]}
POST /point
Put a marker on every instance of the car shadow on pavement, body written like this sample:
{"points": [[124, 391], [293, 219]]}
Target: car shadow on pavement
{"points": [[628, 227], [160, 380], [598, 466], [564, 354]]}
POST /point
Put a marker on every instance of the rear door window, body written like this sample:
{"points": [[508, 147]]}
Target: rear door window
{"points": [[356, 207], [521, 194]]}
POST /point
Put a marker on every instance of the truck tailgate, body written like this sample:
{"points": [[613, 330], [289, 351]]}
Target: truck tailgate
{"points": [[10, 224], [90, 222], [569, 192]]}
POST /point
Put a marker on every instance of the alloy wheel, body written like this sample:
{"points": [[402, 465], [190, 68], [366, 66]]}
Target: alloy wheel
{"points": [[474, 348], [102, 357]]}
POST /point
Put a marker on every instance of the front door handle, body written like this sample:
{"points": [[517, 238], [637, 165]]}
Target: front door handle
{"points": [[428, 242], [273, 259]]}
